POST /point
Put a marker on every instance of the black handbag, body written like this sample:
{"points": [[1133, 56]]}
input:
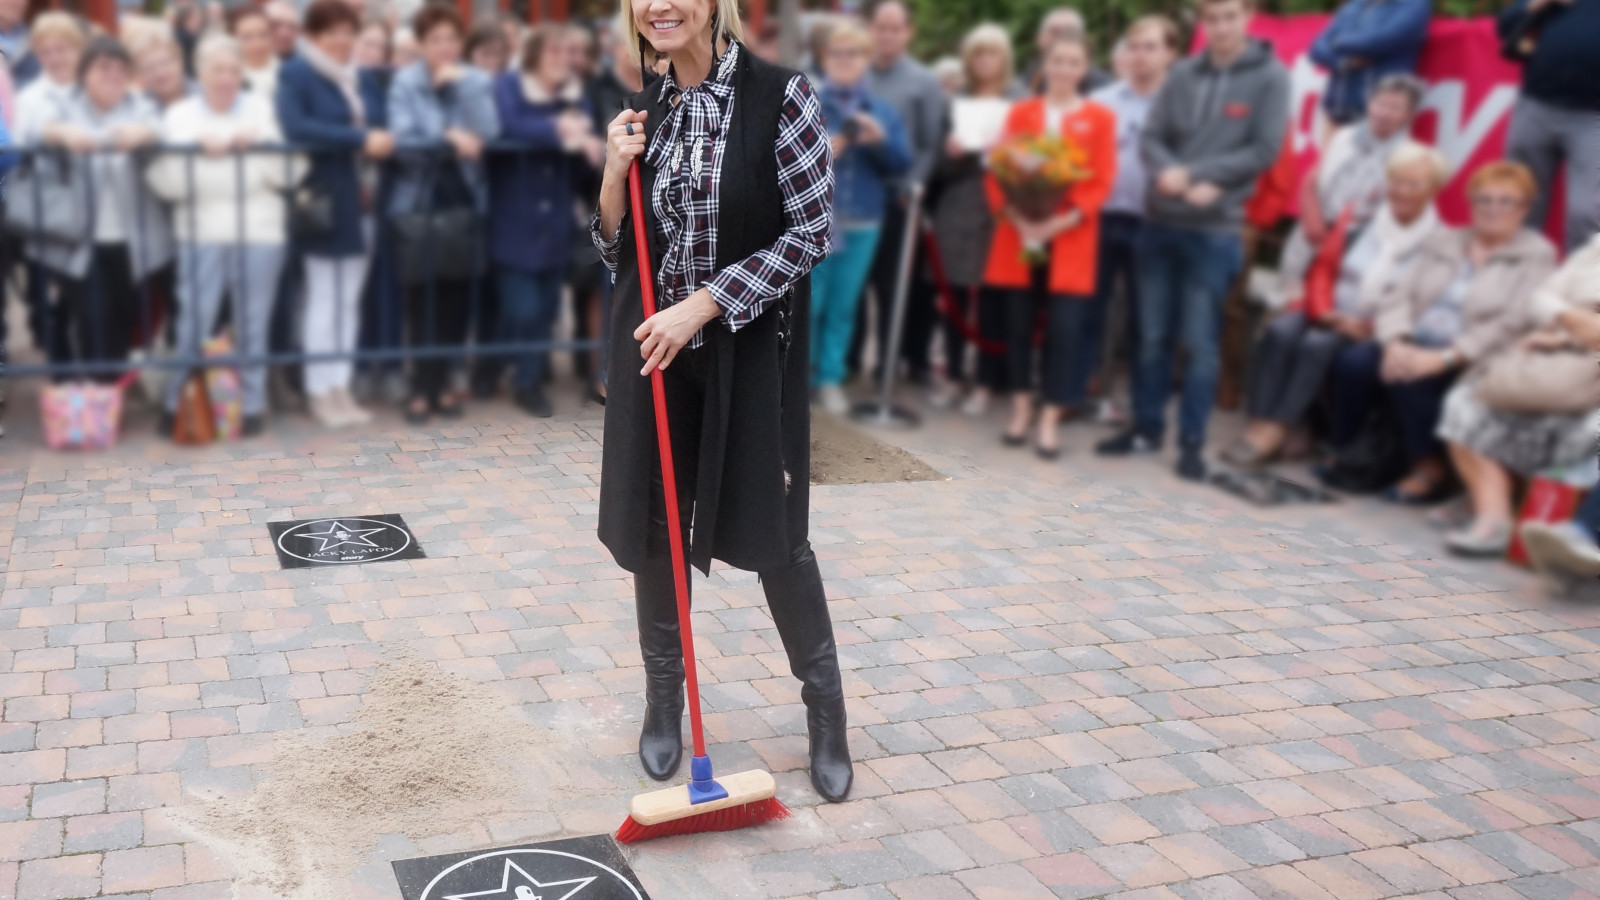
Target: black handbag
{"points": [[1372, 461], [440, 245], [310, 212]]}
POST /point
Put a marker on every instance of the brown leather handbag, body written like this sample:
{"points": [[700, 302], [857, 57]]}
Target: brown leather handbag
{"points": [[1549, 382]]}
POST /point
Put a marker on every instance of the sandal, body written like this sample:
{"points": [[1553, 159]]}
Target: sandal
{"points": [[1481, 540], [1437, 491], [453, 409], [1451, 516], [1246, 455], [416, 411]]}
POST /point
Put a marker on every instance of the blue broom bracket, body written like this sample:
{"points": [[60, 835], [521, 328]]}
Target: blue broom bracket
{"points": [[702, 789]]}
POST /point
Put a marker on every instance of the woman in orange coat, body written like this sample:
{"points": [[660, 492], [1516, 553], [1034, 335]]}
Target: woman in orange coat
{"points": [[1072, 236]]}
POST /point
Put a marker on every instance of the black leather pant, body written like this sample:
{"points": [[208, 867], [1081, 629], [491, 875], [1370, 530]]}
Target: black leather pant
{"points": [[795, 598]]}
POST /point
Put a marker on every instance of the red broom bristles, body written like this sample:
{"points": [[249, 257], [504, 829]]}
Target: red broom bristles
{"points": [[730, 819]]}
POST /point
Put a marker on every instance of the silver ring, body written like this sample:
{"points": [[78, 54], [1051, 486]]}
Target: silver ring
{"points": [[630, 129]]}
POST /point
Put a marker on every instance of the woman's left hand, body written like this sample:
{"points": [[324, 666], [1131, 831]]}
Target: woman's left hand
{"points": [[1428, 363], [466, 144], [871, 130], [131, 137], [1583, 325], [668, 331]]}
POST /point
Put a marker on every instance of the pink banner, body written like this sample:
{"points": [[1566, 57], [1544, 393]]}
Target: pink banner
{"points": [[1466, 111]]}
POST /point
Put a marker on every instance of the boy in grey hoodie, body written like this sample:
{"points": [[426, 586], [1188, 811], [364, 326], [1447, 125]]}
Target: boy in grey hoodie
{"points": [[1216, 125]]}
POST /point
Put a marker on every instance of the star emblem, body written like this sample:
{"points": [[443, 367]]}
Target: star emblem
{"points": [[338, 534], [526, 891]]}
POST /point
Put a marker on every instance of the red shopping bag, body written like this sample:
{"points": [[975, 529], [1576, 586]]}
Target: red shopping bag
{"points": [[1547, 500], [1323, 274]]}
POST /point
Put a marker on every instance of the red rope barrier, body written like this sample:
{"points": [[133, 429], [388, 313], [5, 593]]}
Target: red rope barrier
{"points": [[947, 304]]}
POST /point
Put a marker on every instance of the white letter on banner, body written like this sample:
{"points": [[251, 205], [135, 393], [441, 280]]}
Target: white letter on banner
{"points": [[1447, 99]]}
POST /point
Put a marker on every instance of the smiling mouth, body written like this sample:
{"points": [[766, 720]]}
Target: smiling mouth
{"points": [[666, 24]]}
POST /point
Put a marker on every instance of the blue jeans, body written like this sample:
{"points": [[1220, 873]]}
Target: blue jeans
{"points": [[1117, 267], [1184, 277], [528, 305], [1588, 513], [836, 285], [247, 274]]}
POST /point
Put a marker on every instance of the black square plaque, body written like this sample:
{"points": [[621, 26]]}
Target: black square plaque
{"points": [[585, 868], [345, 541]]}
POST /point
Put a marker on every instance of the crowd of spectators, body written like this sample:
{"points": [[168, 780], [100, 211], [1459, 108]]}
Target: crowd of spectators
{"points": [[317, 185], [348, 183], [1433, 365]]}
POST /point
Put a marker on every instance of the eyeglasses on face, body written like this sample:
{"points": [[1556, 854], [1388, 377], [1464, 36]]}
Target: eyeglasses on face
{"points": [[1497, 201]]}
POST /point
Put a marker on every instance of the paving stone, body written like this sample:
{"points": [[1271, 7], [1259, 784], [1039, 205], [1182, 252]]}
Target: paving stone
{"points": [[60, 878], [1062, 683]]}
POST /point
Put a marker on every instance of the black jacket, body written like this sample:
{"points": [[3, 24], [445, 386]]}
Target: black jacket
{"points": [[1561, 70], [750, 463]]}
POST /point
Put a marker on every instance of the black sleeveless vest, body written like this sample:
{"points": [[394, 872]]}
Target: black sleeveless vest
{"points": [[753, 455]]}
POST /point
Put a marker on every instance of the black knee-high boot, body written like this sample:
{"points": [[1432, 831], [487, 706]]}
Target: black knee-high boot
{"points": [[800, 610], [661, 738]]}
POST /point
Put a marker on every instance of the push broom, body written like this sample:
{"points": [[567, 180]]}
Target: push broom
{"points": [[704, 804]]}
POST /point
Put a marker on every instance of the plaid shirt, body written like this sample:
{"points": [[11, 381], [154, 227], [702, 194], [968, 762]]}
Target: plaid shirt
{"points": [[687, 153]]}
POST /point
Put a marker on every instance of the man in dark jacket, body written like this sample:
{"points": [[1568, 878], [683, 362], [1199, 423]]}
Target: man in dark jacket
{"points": [[1557, 111], [1366, 41], [1216, 125]]}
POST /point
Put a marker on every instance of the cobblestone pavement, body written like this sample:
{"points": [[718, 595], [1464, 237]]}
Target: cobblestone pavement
{"points": [[1060, 685]]}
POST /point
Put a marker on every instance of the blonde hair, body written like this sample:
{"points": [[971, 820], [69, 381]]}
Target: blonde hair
{"points": [[1412, 153], [849, 32], [213, 46], [61, 26], [987, 36], [729, 24]]}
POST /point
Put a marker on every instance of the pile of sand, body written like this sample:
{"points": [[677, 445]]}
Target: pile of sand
{"points": [[844, 454], [432, 754]]}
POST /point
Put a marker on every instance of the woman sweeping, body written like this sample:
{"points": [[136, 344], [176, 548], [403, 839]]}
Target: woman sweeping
{"points": [[737, 186]]}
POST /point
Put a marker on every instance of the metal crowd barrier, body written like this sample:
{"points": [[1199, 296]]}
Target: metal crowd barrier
{"points": [[60, 306]]}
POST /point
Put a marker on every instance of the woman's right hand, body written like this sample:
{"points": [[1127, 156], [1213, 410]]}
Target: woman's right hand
{"points": [[76, 139], [379, 144], [623, 148]]}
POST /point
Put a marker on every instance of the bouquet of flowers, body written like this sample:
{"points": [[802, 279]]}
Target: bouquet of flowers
{"points": [[1036, 172]]}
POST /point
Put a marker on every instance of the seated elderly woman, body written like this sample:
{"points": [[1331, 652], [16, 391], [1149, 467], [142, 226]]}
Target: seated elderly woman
{"points": [[1294, 353], [1463, 299], [1350, 177], [1532, 406]]}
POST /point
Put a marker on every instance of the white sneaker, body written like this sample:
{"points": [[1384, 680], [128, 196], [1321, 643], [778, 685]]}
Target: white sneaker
{"points": [[325, 409], [1561, 547], [977, 403], [1106, 412], [833, 399], [352, 412], [945, 396]]}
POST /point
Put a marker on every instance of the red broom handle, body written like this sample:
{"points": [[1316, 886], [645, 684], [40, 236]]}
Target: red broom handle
{"points": [[669, 478]]}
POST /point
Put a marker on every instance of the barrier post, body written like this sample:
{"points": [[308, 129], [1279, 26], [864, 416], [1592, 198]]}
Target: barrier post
{"points": [[883, 412]]}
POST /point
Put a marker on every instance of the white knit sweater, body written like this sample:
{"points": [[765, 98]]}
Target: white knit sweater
{"points": [[218, 203]]}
